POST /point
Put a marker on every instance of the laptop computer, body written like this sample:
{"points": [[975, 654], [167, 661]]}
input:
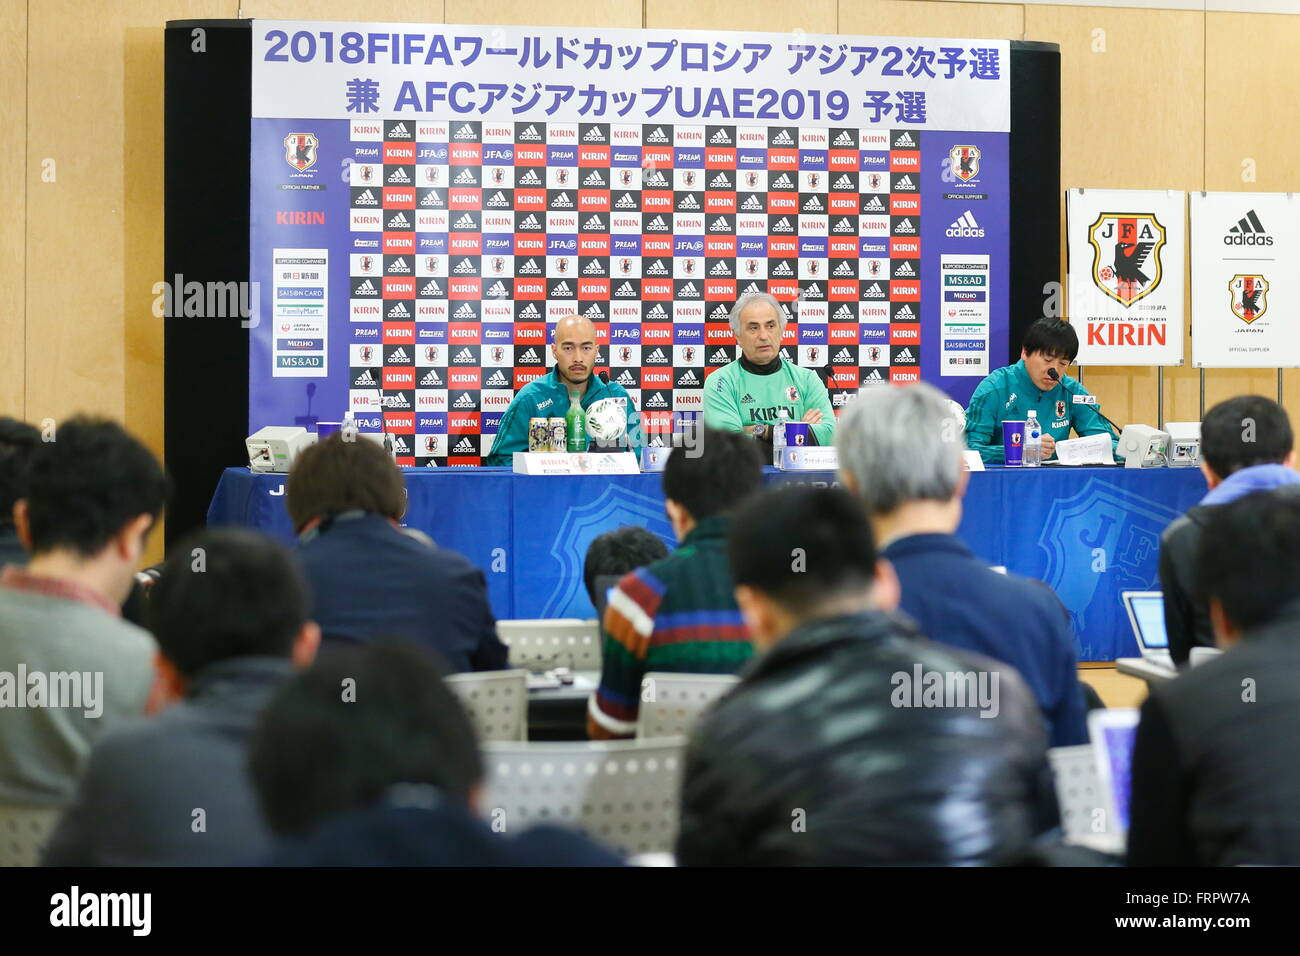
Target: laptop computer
{"points": [[1112, 731], [1146, 615]]}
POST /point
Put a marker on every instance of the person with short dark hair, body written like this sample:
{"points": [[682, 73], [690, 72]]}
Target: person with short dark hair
{"points": [[831, 750], [1039, 383], [617, 552], [93, 495], [368, 759], [18, 441], [1246, 446], [679, 614], [230, 617], [1216, 763], [368, 575]]}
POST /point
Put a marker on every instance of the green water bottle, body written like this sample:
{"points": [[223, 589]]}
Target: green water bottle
{"points": [[575, 425]]}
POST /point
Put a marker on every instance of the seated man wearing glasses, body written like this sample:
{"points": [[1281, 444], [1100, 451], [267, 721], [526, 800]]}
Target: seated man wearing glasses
{"points": [[1036, 383]]}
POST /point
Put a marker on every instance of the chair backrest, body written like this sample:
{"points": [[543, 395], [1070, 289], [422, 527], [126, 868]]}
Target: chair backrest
{"points": [[562, 642], [623, 793], [497, 702], [1078, 792], [23, 833], [672, 703]]}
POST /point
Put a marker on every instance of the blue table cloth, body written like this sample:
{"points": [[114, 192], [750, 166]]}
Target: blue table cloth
{"points": [[1090, 533]]}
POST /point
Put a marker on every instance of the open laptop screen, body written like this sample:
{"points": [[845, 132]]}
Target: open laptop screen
{"points": [[1149, 613]]}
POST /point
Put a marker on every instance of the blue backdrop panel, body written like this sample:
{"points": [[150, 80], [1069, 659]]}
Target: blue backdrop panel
{"points": [[1089, 533]]}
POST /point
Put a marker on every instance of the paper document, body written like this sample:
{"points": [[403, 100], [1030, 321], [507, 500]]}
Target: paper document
{"points": [[1093, 450]]}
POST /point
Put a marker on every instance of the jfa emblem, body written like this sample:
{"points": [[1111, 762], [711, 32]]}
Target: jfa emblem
{"points": [[561, 175], [431, 353], [625, 177], [300, 150], [498, 175], [498, 353], [813, 180], [625, 266], [624, 354], [431, 175], [792, 393], [688, 353], [965, 162], [1249, 297], [1060, 409], [751, 179], [1126, 255], [431, 444], [430, 264], [367, 263]]}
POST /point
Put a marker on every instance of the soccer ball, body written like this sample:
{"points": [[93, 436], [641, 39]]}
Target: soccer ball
{"points": [[958, 414], [607, 419]]}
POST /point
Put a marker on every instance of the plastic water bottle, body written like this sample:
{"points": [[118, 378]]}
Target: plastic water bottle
{"points": [[575, 425], [1033, 440], [778, 435]]}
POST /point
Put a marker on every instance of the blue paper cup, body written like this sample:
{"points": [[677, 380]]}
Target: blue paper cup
{"points": [[798, 434], [1013, 442]]}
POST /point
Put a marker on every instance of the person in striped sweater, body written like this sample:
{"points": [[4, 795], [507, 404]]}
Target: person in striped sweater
{"points": [[679, 614]]}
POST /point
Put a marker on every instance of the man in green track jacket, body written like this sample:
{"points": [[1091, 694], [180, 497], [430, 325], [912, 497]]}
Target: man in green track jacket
{"points": [[1009, 393], [748, 394]]}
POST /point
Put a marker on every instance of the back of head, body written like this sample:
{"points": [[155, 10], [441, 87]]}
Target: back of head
{"points": [[87, 484], [1053, 337], [355, 724], [802, 547], [1244, 431], [619, 551], [346, 472], [227, 593], [18, 442], [713, 476], [901, 444], [1248, 556]]}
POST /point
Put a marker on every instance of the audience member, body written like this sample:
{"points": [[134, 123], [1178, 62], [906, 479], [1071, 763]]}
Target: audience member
{"points": [[367, 575], [617, 552], [18, 441], [850, 740], [900, 453], [1246, 446], [679, 613], [230, 620], [1216, 764], [93, 495], [367, 759]]}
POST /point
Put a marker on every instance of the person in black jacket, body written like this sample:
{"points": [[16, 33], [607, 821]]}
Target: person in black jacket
{"points": [[1216, 763], [851, 739], [1246, 446], [371, 577]]}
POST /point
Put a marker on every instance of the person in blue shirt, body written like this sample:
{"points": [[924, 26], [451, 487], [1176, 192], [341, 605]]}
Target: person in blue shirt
{"points": [[575, 352], [1037, 382], [901, 459]]}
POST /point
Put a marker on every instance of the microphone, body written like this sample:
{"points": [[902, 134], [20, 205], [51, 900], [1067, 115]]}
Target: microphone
{"points": [[1055, 376], [603, 376]]}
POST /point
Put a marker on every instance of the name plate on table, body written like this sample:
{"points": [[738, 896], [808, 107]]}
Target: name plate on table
{"points": [[575, 463], [799, 458], [654, 457]]}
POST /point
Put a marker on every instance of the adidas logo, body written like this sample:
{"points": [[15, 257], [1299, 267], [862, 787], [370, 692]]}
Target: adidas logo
{"points": [[782, 225], [366, 288], [965, 227], [626, 201], [465, 401], [562, 201], [654, 177], [625, 290], [464, 446], [399, 221], [465, 131], [529, 178], [432, 199], [719, 313], [498, 200], [688, 202], [656, 268], [904, 312], [657, 311], [364, 379], [873, 291], [530, 311], [844, 312], [496, 380], [431, 288], [432, 379], [844, 139], [904, 269], [530, 134], [398, 175], [400, 447], [657, 223], [658, 136], [464, 267], [464, 222], [594, 179], [746, 398], [720, 268], [904, 228], [1249, 231], [594, 312], [398, 311], [594, 135], [399, 265], [466, 311], [626, 379], [752, 203], [466, 178], [593, 222], [843, 356], [844, 225], [530, 222], [656, 401], [657, 356], [498, 290], [688, 291], [395, 401], [400, 132], [367, 198], [843, 269], [399, 355], [561, 291], [594, 268], [844, 182], [720, 138], [873, 376], [874, 205], [782, 139], [529, 356], [813, 204], [720, 224], [529, 268], [904, 184], [780, 184], [720, 356], [688, 378], [782, 269], [811, 292], [905, 140], [720, 181], [752, 287], [905, 356]]}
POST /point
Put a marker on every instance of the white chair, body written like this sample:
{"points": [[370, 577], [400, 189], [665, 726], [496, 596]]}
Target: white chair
{"points": [[496, 701], [672, 703], [24, 831], [623, 793], [563, 642], [1080, 799]]}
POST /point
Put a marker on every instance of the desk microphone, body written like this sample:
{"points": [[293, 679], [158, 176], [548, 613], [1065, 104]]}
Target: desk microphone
{"points": [[1055, 376]]}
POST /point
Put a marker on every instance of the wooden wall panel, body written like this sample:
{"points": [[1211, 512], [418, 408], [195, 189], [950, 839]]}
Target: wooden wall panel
{"points": [[13, 205], [607, 13], [769, 16], [933, 18], [361, 11]]}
